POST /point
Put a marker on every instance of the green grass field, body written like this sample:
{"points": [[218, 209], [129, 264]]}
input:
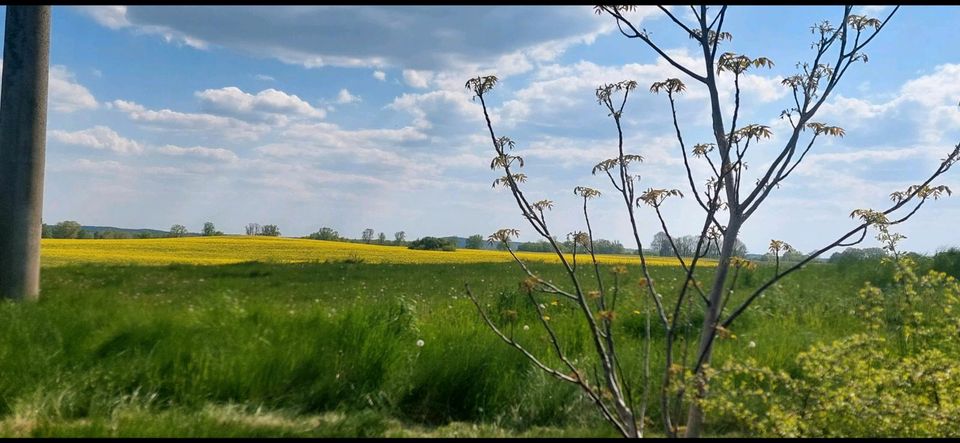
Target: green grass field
{"points": [[330, 349]]}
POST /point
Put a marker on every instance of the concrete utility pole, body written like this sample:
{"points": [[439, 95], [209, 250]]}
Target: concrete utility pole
{"points": [[23, 132]]}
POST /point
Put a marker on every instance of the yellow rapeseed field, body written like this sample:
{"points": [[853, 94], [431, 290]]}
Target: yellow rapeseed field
{"points": [[236, 249]]}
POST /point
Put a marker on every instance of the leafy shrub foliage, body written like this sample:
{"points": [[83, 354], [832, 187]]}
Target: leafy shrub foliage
{"points": [[899, 378], [432, 244], [948, 261]]}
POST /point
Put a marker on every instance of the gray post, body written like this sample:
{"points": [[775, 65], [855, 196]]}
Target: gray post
{"points": [[23, 127]]}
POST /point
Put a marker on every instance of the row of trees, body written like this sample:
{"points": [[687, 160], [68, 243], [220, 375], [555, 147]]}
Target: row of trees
{"points": [[266, 230], [600, 246], [690, 245], [399, 239], [70, 229], [330, 234]]}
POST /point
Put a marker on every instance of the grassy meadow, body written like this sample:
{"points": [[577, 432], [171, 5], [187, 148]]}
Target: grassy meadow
{"points": [[279, 337]]}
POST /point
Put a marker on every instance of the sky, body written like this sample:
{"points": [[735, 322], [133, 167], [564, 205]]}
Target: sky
{"points": [[357, 117]]}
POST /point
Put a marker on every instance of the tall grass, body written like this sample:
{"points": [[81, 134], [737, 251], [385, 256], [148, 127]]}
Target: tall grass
{"points": [[138, 351]]}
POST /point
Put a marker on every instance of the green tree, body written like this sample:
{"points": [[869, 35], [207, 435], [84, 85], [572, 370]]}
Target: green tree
{"points": [[661, 244], [210, 230], [432, 244], [381, 238], [325, 233], [270, 231], [66, 229], [178, 231], [367, 235], [399, 237], [474, 242]]}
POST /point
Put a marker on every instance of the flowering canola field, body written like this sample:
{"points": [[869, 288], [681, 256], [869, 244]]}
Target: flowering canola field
{"points": [[236, 249]]}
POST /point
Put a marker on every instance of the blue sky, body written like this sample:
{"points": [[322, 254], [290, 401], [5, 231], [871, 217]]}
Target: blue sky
{"points": [[356, 117]]}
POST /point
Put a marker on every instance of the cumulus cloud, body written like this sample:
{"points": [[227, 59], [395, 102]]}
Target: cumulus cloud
{"points": [[930, 101], [66, 95], [98, 137], [380, 75], [219, 154], [191, 122], [345, 97], [442, 109], [417, 79], [267, 105], [104, 138]]}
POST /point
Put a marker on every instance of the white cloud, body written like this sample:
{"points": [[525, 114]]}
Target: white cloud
{"points": [[173, 120], [360, 149], [929, 100], [92, 166], [98, 137], [104, 138], [417, 79], [66, 95], [345, 97], [269, 104], [117, 17], [856, 108], [264, 77], [219, 154], [380, 75], [431, 107], [815, 161], [942, 87], [113, 17], [872, 10]]}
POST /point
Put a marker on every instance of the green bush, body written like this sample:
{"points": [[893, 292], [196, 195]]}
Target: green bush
{"points": [[948, 261], [432, 244], [899, 378]]}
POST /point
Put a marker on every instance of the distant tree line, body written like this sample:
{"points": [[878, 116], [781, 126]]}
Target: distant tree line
{"points": [[600, 246], [70, 229], [850, 255], [686, 246], [265, 230], [368, 236]]}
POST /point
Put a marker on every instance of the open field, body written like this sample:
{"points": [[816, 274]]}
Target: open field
{"points": [[237, 249], [330, 349]]}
